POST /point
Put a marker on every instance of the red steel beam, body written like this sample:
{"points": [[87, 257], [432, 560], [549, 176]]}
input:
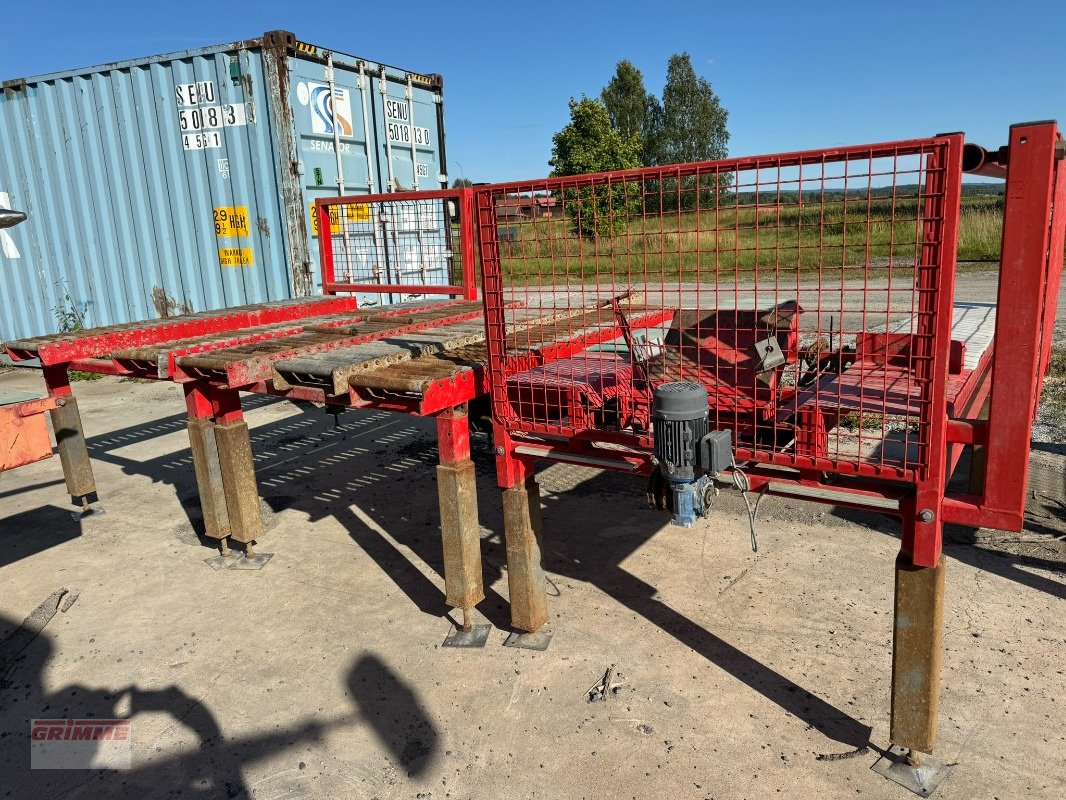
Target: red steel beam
{"points": [[102, 341]]}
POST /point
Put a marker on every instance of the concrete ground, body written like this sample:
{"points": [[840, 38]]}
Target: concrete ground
{"points": [[322, 675]]}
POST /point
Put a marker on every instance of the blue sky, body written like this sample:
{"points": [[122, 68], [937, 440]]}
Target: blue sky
{"points": [[792, 75]]}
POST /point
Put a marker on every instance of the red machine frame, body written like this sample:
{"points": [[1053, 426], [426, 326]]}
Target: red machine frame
{"points": [[1034, 187], [536, 380]]}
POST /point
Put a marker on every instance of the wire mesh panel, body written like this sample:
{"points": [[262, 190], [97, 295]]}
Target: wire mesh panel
{"points": [[810, 293], [394, 247]]}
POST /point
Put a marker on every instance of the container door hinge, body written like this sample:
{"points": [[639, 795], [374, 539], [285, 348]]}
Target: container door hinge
{"points": [[1060, 149], [438, 99]]}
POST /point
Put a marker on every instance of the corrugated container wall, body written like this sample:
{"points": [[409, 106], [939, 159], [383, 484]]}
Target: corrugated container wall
{"points": [[187, 181]]}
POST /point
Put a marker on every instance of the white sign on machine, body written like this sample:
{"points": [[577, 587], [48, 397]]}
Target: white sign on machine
{"points": [[201, 117]]}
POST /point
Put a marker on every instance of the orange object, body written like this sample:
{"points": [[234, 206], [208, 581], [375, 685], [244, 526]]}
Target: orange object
{"points": [[24, 434]]}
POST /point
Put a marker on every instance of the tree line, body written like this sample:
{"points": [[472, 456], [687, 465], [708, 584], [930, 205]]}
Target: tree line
{"points": [[628, 127]]}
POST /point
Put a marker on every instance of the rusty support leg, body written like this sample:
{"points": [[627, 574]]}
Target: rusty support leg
{"points": [[917, 644], [917, 647], [523, 529], [206, 464], [70, 438], [460, 530], [238, 469]]}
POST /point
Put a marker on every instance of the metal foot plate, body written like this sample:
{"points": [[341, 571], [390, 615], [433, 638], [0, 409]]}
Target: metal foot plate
{"points": [[477, 636], [221, 561], [538, 640], [95, 511], [921, 780], [237, 560], [258, 561]]}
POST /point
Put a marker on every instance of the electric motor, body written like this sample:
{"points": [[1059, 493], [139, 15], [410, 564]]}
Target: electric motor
{"points": [[679, 413]]}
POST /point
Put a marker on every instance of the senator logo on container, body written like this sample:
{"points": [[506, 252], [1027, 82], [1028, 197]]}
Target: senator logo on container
{"points": [[327, 109]]}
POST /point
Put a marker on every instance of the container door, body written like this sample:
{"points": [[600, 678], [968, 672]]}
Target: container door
{"points": [[409, 157], [226, 233], [334, 145]]}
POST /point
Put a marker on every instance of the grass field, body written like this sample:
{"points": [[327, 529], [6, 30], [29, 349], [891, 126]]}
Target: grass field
{"points": [[850, 238]]}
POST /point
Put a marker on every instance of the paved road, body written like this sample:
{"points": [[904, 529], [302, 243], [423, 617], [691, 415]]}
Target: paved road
{"points": [[880, 297]]}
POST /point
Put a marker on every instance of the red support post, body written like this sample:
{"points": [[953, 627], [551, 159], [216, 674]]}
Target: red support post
{"points": [[325, 246], [205, 461], [453, 435], [226, 405], [467, 244], [1021, 307], [511, 470], [460, 529], [923, 534], [198, 400]]}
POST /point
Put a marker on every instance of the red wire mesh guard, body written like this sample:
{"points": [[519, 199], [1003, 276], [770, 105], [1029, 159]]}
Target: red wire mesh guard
{"points": [[807, 292], [397, 246]]}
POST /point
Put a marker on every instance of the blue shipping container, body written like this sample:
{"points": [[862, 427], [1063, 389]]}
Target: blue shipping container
{"points": [[187, 181]]}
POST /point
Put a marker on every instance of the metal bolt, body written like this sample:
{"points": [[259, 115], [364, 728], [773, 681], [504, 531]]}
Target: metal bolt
{"points": [[499, 451], [926, 515], [62, 401]]}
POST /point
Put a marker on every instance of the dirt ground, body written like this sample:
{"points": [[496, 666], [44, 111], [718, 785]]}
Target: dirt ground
{"points": [[322, 675]]}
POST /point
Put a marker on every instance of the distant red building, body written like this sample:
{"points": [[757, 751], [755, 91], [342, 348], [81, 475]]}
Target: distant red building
{"points": [[522, 207]]}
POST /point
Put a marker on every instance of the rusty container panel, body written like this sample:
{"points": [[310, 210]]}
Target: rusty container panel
{"points": [[186, 182]]}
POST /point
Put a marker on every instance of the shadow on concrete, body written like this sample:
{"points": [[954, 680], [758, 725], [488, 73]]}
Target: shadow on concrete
{"points": [[365, 471], [30, 488], [1045, 516], [395, 713], [578, 555], [216, 766], [34, 531], [322, 467]]}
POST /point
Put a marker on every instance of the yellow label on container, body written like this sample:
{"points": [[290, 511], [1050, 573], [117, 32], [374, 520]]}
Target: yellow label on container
{"points": [[352, 213], [231, 221], [236, 256]]}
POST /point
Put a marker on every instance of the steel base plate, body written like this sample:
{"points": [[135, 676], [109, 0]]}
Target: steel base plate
{"points": [[237, 560], [94, 511], [258, 561], [220, 561], [477, 636], [921, 780], [538, 640]]}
